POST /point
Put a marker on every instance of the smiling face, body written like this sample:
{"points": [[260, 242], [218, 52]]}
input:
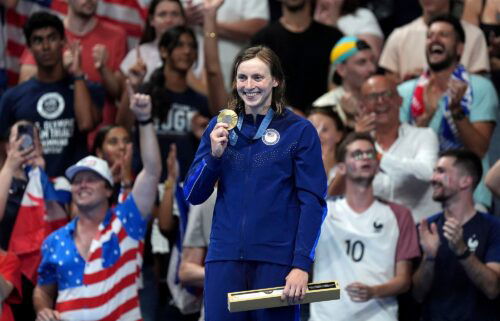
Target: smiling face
{"points": [[443, 48], [445, 179], [183, 55], [381, 97], [114, 145], [89, 190], [167, 14], [328, 133], [255, 84]]}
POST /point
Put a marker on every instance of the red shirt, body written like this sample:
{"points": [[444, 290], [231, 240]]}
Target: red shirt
{"points": [[115, 40], [10, 271]]}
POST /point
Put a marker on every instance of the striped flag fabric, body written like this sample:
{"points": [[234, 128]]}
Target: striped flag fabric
{"points": [[128, 14], [104, 284], [38, 216]]}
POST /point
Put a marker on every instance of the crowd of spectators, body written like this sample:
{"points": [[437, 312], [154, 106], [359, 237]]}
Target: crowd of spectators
{"points": [[98, 137]]}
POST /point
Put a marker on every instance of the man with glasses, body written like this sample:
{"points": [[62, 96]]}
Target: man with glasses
{"points": [[365, 242], [407, 154]]}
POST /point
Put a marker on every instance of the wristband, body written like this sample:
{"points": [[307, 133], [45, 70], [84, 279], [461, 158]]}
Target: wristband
{"points": [[458, 115], [430, 259], [80, 77], [464, 255], [145, 122]]}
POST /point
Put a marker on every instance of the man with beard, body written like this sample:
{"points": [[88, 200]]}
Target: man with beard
{"points": [[353, 61], [103, 47], [303, 46], [461, 108], [403, 54], [366, 243], [459, 276]]}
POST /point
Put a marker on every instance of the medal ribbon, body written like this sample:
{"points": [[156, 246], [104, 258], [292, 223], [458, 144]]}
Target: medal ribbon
{"points": [[233, 136]]}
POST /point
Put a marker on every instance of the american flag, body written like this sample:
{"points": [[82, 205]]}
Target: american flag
{"points": [[104, 286], [129, 14]]}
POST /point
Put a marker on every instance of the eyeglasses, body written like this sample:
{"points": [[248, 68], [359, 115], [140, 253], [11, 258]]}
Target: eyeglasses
{"points": [[375, 96], [360, 155]]}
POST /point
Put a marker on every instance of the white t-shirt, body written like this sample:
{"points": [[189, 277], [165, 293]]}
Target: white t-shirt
{"points": [[404, 50], [361, 22], [362, 247]]}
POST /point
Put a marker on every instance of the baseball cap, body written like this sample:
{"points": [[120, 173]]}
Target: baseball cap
{"points": [[91, 163], [346, 47]]}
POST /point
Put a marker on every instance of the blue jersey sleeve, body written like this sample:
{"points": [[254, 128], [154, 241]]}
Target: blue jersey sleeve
{"points": [[310, 181], [204, 171]]}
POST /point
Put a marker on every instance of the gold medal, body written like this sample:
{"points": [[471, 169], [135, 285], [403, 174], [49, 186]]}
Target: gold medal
{"points": [[228, 117]]}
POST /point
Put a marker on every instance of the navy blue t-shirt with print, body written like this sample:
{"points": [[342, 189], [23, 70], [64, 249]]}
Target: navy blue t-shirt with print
{"points": [[50, 107], [175, 127], [453, 296]]}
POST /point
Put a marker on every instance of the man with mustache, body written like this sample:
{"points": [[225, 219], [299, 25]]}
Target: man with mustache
{"points": [[403, 54], [459, 275], [461, 108]]}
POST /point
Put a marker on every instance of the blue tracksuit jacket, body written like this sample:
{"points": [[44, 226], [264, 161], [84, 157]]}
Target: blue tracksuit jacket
{"points": [[270, 198]]}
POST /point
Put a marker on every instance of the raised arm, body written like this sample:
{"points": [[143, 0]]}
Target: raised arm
{"points": [[217, 94], [113, 81], [87, 115], [144, 190]]}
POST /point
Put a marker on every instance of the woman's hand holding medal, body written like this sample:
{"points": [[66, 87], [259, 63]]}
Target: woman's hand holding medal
{"points": [[219, 138]]}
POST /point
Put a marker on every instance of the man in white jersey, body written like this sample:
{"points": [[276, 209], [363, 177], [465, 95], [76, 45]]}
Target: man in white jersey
{"points": [[366, 244]]}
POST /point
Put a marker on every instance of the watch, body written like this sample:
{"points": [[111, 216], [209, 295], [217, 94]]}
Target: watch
{"points": [[464, 255], [80, 77]]}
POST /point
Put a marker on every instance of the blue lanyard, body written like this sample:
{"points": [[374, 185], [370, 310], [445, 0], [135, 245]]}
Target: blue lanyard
{"points": [[233, 136]]}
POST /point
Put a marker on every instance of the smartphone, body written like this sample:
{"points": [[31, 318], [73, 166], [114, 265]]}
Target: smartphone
{"points": [[26, 132]]}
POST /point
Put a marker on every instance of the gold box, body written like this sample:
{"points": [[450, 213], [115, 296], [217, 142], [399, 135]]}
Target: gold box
{"points": [[271, 297]]}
